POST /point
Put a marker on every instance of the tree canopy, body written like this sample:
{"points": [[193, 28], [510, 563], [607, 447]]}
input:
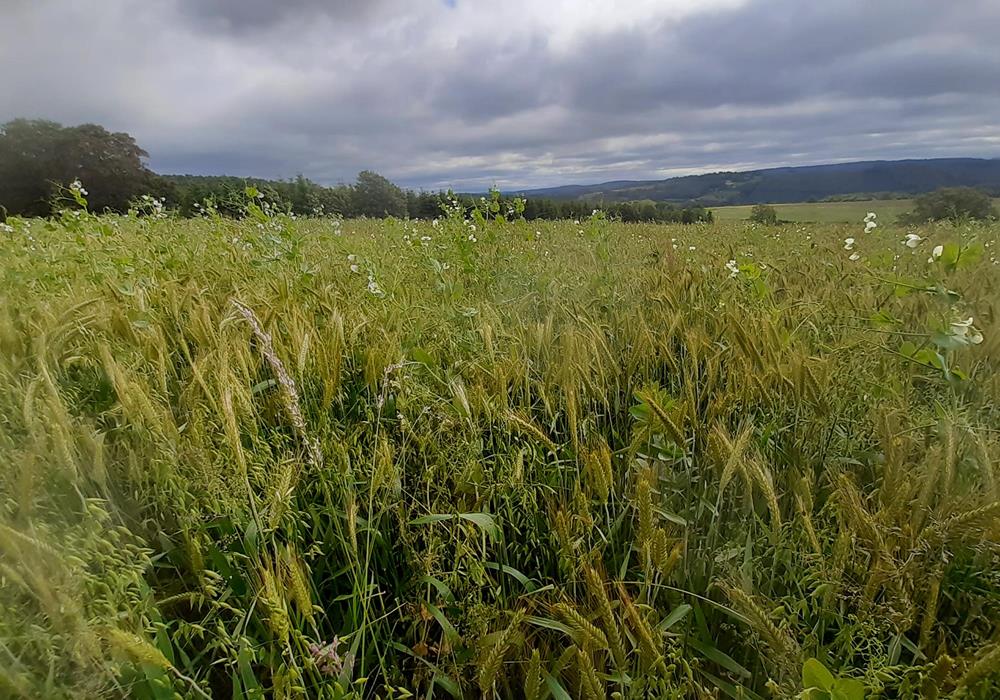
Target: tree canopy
{"points": [[951, 203], [37, 157]]}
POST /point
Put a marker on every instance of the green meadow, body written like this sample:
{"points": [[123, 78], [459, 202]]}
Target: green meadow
{"points": [[888, 210], [824, 212]]}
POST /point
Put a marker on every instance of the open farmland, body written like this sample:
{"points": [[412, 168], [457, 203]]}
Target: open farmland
{"points": [[826, 212], [823, 212], [309, 458]]}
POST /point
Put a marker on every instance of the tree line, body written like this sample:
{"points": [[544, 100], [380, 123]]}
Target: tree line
{"points": [[39, 159]]}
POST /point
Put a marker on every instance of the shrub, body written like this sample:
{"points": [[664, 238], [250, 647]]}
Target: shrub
{"points": [[764, 214]]}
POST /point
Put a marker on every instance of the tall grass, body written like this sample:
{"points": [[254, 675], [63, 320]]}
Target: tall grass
{"points": [[557, 460]]}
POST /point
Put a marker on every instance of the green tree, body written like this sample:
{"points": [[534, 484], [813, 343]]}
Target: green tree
{"points": [[764, 214], [951, 203], [374, 195], [38, 156]]}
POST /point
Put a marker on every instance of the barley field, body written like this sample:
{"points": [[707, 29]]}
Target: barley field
{"points": [[309, 458]]}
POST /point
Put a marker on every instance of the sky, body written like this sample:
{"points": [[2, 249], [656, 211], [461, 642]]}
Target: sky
{"points": [[518, 93]]}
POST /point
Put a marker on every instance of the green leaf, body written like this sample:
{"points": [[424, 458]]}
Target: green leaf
{"points": [[251, 688], [815, 694], [422, 356], [737, 692], [261, 386], [448, 684], [548, 624], [483, 520], [946, 341], [945, 294], [510, 570], [969, 256], [250, 537], [672, 517], [720, 657], [440, 585], [883, 319], [449, 629], [816, 675], [432, 518], [675, 616], [847, 689], [929, 357], [558, 692], [902, 290], [950, 254]]}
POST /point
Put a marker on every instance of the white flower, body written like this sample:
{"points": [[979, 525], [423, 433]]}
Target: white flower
{"points": [[355, 269], [352, 257], [870, 226], [576, 221], [848, 244], [373, 287], [854, 257], [733, 267], [960, 328], [912, 240], [77, 186], [472, 237], [870, 217], [937, 252], [691, 247], [965, 332]]}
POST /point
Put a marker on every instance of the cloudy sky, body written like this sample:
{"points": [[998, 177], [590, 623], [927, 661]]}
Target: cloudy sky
{"points": [[465, 93]]}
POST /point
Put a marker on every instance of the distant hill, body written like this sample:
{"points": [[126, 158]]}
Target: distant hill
{"points": [[798, 184]]}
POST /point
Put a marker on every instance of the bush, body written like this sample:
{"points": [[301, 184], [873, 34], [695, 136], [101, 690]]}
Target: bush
{"points": [[764, 214], [951, 203]]}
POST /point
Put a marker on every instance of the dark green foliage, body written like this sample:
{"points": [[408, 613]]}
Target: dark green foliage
{"points": [[38, 157], [373, 195], [763, 214], [951, 204], [300, 196]]}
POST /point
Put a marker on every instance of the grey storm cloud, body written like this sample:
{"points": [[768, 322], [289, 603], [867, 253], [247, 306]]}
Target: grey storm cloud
{"points": [[247, 16], [521, 93]]}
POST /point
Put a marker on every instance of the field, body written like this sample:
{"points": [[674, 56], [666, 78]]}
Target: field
{"points": [[823, 212], [287, 457], [888, 210]]}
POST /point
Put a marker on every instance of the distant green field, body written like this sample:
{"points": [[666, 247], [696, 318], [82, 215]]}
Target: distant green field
{"points": [[824, 212], [827, 212]]}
